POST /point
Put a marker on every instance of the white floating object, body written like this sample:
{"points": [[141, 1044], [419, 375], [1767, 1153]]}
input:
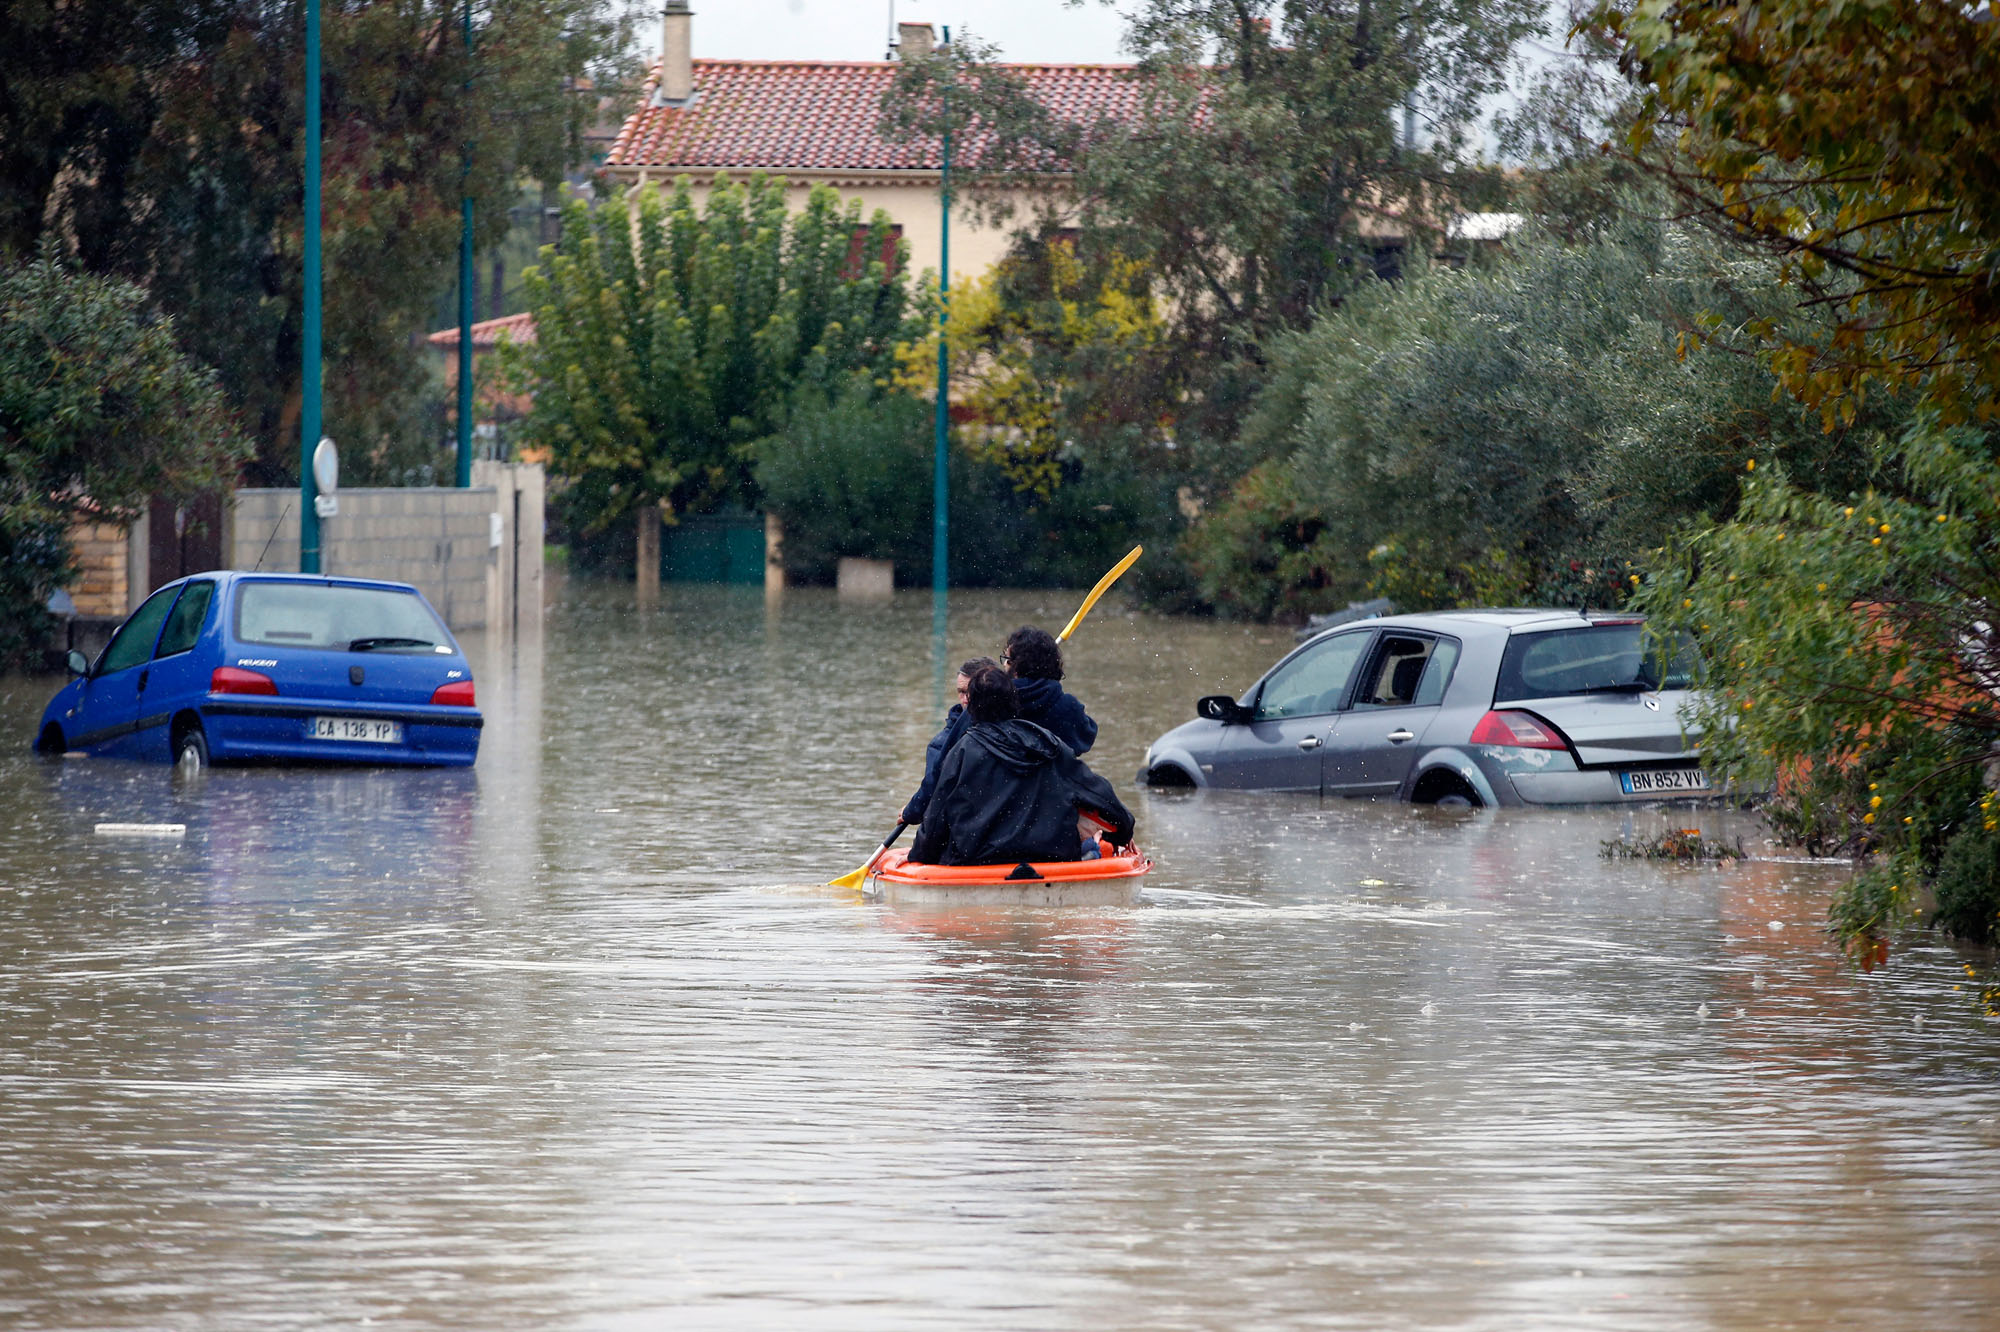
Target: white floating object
{"points": [[1429, 1010], [142, 830], [1701, 1012]]}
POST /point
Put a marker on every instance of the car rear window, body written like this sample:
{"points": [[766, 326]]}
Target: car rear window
{"points": [[1603, 658], [315, 615]]}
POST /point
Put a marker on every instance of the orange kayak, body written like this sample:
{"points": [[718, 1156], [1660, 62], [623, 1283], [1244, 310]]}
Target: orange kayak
{"points": [[1112, 879]]}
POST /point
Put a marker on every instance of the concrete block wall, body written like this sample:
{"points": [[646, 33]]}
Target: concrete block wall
{"points": [[440, 538]]}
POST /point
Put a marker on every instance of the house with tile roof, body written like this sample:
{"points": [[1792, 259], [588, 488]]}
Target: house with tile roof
{"points": [[815, 123]]}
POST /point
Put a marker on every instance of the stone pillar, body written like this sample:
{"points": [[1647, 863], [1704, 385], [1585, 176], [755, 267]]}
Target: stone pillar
{"points": [[647, 522], [866, 580], [774, 554]]}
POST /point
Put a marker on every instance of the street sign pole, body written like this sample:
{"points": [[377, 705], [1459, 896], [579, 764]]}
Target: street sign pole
{"points": [[940, 477], [465, 279], [309, 385]]}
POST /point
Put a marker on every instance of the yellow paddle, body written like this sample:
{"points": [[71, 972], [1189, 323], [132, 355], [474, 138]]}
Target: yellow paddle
{"points": [[1103, 586], [855, 878]]}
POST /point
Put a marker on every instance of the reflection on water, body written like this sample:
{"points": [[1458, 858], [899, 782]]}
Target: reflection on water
{"points": [[574, 1039]]}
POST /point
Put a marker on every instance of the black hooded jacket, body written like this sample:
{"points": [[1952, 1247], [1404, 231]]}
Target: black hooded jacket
{"points": [[1008, 792], [1061, 715]]}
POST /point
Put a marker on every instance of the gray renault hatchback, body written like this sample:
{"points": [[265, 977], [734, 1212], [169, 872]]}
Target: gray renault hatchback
{"points": [[1478, 707]]}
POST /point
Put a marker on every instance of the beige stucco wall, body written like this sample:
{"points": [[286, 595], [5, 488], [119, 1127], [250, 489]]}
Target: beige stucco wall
{"points": [[911, 203]]}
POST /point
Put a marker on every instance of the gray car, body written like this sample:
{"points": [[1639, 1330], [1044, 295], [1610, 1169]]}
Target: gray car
{"points": [[1480, 707]]}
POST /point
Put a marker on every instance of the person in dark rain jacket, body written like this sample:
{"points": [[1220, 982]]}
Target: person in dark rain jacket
{"points": [[955, 723], [1034, 658], [1009, 790]]}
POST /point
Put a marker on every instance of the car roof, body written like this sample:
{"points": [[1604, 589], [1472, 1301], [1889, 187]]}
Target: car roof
{"points": [[330, 580], [1511, 619]]}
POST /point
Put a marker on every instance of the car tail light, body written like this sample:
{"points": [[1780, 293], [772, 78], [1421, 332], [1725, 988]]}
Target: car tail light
{"points": [[458, 693], [231, 680], [1519, 730]]}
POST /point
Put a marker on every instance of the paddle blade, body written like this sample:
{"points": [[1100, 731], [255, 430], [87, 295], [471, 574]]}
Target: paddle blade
{"points": [[853, 879], [1103, 586]]}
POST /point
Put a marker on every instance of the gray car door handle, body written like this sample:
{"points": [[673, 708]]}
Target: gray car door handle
{"points": [[1399, 735], [1310, 742]]}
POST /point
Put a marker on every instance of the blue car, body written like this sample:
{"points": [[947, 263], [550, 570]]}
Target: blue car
{"points": [[225, 666]]}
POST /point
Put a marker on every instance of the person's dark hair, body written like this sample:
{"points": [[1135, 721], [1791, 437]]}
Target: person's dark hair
{"points": [[1032, 654], [989, 695], [973, 665]]}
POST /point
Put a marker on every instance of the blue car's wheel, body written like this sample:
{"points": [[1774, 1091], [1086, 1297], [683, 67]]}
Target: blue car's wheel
{"points": [[51, 740], [191, 748]]}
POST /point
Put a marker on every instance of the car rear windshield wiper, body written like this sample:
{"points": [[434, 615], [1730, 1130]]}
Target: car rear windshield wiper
{"points": [[1629, 687], [388, 641]]}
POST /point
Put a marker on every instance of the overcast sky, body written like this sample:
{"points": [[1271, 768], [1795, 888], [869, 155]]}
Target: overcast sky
{"points": [[1024, 30], [1031, 30]]}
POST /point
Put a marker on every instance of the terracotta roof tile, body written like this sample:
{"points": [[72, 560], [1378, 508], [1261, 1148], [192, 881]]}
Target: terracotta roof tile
{"points": [[519, 328], [801, 115]]}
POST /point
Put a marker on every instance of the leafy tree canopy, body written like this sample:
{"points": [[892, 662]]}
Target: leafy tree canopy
{"points": [[1530, 432], [1042, 349], [1856, 142], [99, 411], [1265, 161], [1852, 661], [163, 141], [668, 343]]}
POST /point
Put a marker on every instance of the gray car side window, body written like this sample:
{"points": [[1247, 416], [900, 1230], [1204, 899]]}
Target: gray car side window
{"points": [[1437, 675], [1315, 681], [1394, 670]]}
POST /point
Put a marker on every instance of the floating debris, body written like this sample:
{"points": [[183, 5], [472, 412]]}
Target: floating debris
{"points": [[1686, 844], [142, 830]]}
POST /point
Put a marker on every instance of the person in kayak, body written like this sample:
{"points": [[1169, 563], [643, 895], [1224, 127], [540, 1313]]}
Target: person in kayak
{"points": [[954, 726], [1010, 791], [1034, 658]]}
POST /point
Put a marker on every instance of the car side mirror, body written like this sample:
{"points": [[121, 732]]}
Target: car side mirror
{"points": [[78, 663], [1222, 708]]}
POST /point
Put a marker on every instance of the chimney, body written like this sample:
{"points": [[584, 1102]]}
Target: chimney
{"points": [[676, 53], [915, 40]]}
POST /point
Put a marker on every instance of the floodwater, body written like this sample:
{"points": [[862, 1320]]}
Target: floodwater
{"points": [[573, 1040]]}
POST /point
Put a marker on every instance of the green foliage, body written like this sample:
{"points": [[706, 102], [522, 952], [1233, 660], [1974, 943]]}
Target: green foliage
{"points": [[1851, 653], [1041, 348], [34, 561], [1266, 135], [668, 344], [1968, 884], [1854, 141], [1264, 554], [1525, 432], [851, 477], [99, 411], [162, 141]]}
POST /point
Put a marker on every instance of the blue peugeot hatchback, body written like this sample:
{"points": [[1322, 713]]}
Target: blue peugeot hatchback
{"points": [[223, 666]]}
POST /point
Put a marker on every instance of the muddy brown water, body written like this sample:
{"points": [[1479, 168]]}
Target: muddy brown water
{"points": [[573, 1040]]}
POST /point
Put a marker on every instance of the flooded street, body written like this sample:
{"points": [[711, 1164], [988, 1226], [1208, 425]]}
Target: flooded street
{"points": [[574, 1039]]}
